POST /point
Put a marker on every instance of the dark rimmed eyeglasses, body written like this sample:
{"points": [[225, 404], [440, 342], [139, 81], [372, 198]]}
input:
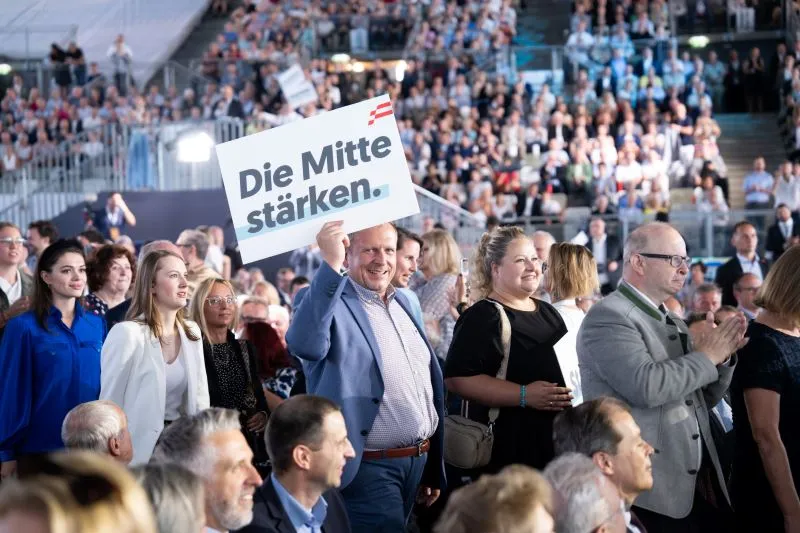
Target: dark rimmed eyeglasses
{"points": [[674, 260]]}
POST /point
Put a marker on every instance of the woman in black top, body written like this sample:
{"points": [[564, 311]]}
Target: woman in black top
{"points": [[231, 368], [506, 270], [765, 395]]}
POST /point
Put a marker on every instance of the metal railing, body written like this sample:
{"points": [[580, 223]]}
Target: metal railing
{"points": [[36, 40], [130, 157], [707, 234], [766, 16], [463, 225]]}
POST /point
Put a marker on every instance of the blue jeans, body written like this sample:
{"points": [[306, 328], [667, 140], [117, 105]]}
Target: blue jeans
{"points": [[382, 495]]}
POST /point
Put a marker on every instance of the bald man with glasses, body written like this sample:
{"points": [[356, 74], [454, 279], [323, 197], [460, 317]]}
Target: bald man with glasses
{"points": [[631, 348]]}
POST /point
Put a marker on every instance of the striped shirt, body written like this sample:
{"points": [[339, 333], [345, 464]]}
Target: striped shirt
{"points": [[406, 414]]}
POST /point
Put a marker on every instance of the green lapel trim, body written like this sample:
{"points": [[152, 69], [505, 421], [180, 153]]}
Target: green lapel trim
{"points": [[631, 295]]}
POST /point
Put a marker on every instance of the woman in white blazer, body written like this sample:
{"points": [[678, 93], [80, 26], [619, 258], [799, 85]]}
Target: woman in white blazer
{"points": [[152, 364]]}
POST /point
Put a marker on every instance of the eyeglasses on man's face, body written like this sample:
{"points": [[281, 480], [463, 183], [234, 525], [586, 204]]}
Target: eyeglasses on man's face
{"points": [[674, 260], [8, 241]]}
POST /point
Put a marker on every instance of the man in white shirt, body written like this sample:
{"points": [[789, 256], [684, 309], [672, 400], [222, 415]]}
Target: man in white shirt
{"points": [[579, 44], [16, 287], [211, 445], [782, 234], [607, 253], [745, 240], [604, 430]]}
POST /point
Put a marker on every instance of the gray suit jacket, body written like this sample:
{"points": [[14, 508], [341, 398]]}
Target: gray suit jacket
{"points": [[626, 349]]}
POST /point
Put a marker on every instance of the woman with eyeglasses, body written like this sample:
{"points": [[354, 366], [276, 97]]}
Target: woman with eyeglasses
{"points": [[233, 381], [152, 364], [16, 286], [505, 274], [573, 284], [49, 360]]}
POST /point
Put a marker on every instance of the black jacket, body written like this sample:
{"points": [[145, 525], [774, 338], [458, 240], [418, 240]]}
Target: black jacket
{"points": [[613, 253], [256, 441], [270, 517], [727, 275], [117, 314], [775, 239]]}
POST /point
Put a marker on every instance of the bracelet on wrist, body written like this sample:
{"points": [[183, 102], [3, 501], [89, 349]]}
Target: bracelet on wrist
{"points": [[523, 400]]}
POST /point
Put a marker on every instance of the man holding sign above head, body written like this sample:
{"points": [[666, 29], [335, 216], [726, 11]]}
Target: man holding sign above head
{"points": [[361, 348]]}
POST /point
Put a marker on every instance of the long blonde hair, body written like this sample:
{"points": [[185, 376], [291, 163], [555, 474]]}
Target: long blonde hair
{"points": [[80, 492], [443, 255], [144, 303], [197, 307], [490, 251], [571, 272]]}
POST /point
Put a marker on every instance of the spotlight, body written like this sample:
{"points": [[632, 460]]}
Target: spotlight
{"points": [[195, 147]]}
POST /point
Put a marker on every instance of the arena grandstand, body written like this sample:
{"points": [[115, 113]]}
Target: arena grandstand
{"points": [[577, 121]]}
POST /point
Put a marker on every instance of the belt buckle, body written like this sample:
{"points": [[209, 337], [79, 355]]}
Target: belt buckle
{"points": [[419, 448]]}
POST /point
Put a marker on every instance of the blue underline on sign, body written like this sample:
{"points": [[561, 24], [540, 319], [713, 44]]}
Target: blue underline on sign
{"points": [[380, 193]]}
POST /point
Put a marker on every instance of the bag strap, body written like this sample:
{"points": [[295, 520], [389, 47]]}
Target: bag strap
{"points": [[505, 338]]}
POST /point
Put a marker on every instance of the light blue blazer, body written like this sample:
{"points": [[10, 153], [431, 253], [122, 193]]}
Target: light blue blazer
{"points": [[331, 335]]}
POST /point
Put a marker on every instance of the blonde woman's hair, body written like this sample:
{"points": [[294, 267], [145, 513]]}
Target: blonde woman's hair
{"points": [[443, 255], [197, 307], [500, 503], [272, 295], [80, 492], [144, 303], [779, 292], [490, 251], [571, 272]]}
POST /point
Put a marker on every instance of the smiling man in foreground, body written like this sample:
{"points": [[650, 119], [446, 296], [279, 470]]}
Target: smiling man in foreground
{"points": [[361, 348], [211, 445]]}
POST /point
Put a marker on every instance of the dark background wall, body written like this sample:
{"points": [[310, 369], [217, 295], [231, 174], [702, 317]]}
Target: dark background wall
{"points": [[163, 215]]}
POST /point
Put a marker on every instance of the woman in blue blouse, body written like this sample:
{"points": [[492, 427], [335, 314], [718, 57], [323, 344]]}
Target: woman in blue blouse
{"points": [[49, 359]]}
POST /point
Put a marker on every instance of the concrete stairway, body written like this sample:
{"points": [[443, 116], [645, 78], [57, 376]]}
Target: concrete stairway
{"points": [[540, 22], [745, 137]]}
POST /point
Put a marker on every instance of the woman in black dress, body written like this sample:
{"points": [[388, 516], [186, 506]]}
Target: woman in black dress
{"points": [[506, 270], [765, 395], [231, 368]]}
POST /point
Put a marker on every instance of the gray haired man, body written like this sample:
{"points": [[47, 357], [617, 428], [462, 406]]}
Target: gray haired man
{"points": [[99, 426], [588, 500], [211, 445]]}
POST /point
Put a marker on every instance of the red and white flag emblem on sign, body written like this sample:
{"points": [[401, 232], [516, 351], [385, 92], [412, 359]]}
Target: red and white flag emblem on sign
{"points": [[383, 110]]}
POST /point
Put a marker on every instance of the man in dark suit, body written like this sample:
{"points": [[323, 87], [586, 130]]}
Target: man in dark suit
{"points": [[784, 233], [607, 252], [557, 130], [605, 82], [229, 106], [745, 240], [604, 430], [307, 442]]}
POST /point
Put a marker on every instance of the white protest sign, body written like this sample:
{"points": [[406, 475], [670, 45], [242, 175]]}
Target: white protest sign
{"points": [[283, 184], [297, 90]]}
